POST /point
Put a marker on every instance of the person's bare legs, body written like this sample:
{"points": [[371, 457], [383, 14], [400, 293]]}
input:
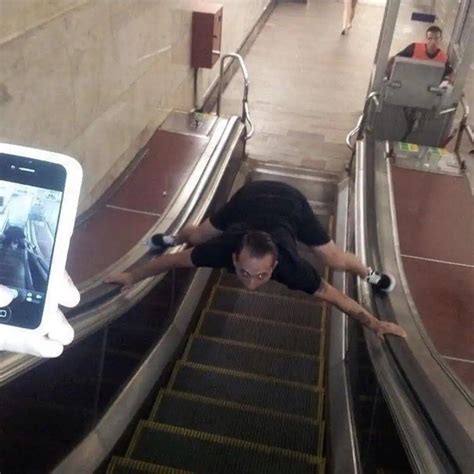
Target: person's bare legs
{"points": [[335, 258], [353, 11], [347, 16]]}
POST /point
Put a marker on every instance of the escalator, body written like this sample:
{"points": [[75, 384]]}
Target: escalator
{"points": [[248, 391], [247, 394]]}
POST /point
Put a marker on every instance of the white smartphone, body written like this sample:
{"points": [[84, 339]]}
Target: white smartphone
{"points": [[39, 194]]}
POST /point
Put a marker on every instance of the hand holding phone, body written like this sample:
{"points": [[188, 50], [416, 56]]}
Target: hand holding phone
{"points": [[39, 193], [58, 330]]}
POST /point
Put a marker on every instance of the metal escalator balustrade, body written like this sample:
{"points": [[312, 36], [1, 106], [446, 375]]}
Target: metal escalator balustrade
{"points": [[247, 394]]}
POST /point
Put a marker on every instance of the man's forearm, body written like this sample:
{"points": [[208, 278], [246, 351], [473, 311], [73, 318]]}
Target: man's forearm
{"points": [[355, 310], [347, 305], [162, 264]]}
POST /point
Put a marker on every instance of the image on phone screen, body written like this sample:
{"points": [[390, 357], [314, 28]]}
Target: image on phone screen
{"points": [[31, 195]]}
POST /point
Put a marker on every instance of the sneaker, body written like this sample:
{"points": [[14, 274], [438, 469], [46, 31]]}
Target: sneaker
{"points": [[381, 281], [161, 241]]}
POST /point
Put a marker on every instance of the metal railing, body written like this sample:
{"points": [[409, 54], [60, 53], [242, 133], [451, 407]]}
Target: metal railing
{"points": [[464, 127], [246, 119], [359, 128]]}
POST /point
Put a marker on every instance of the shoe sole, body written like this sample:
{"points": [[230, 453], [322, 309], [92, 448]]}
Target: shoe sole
{"points": [[393, 283]]}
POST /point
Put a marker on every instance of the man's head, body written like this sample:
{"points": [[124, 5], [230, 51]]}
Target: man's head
{"points": [[434, 35], [255, 258]]}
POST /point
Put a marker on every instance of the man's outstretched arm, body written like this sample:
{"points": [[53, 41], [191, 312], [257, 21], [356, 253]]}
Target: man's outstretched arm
{"points": [[347, 305], [154, 267]]}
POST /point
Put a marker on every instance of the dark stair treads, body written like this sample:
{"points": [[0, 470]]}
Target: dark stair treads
{"points": [[263, 333], [248, 389], [248, 358], [201, 452], [271, 288], [245, 423], [274, 308], [133, 466]]}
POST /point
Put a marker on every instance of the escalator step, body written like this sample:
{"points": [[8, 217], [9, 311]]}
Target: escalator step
{"points": [[212, 416], [132, 466], [269, 307], [262, 333], [202, 452], [272, 288], [248, 389], [247, 358]]}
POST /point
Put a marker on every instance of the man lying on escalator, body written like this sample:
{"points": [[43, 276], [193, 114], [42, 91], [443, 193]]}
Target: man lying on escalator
{"points": [[255, 235]]}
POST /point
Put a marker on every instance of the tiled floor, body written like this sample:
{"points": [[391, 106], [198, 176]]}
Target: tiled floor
{"points": [[308, 83]]}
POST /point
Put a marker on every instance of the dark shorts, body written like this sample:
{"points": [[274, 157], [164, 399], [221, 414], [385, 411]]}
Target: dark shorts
{"points": [[311, 232], [270, 204]]}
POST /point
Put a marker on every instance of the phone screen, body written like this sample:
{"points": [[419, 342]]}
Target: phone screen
{"points": [[31, 196]]}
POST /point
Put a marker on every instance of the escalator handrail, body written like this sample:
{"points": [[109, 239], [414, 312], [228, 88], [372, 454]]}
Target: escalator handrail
{"points": [[422, 448], [114, 303], [97, 444], [180, 204], [344, 449]]}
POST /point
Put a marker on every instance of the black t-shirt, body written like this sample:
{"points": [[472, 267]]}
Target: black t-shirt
{"points": [[271, 207], [409, 51]]}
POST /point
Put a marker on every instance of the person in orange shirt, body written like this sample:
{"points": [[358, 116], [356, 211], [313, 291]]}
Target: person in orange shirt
{"points": [[430, 50]]}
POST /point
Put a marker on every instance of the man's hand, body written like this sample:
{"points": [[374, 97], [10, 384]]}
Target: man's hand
{"points": [[121, 278], [58, 330], [347, 305], [384, 327]]}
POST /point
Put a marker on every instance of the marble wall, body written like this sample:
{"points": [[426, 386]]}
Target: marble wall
{"points": [[94, 78]]}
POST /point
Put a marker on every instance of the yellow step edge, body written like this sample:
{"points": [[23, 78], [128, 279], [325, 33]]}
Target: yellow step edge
{"points": [[322, 365], [142, 466], [247, 375], [261, 320], [231, 405], [188, 347], [258, 347], [235, 442], [320, 413], [322, 339], [324, 314], [210, 298], [316, 302], [322, 431], [322, 345], [157, 403], [135, 438], [204, 311], [173, 375]]}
